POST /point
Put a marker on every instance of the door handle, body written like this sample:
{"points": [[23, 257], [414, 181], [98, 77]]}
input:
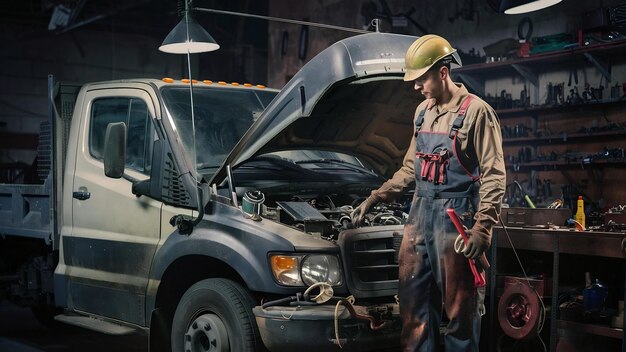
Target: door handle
{"points": [[81, 195]]}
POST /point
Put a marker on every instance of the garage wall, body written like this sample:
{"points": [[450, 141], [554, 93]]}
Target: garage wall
{"points": [[80, 56], [468, 24], [118, 44]]}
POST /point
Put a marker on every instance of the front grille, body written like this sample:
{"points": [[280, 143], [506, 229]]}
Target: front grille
{"points": [[370, 260]]}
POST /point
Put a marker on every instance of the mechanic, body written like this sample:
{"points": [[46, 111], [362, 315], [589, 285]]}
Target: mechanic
{"points": [[457, 162]]}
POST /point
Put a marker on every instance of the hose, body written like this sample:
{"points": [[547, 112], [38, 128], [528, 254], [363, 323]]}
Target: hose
{"points": [[348, 303], [325, 294]]}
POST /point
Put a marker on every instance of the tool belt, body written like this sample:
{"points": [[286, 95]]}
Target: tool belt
{"points": [[434, 166]]}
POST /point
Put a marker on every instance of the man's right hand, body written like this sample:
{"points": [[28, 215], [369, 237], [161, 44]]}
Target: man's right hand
{"points": [[358, 214]]}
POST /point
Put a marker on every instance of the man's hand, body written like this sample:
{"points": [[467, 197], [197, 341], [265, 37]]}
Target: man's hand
{"points": [[478, 242], [358, 214]]}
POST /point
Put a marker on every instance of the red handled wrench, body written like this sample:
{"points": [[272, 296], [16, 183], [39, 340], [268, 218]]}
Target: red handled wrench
{"points": [[479, 278]]}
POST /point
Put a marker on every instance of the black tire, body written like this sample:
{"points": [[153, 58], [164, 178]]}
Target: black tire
{"points": [[215, 315]]}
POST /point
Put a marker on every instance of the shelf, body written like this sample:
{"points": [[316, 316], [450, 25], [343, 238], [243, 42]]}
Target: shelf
{"points": [[560, 165], [560, 139], [536, 110], [529, 68], [586, 243], [553, 57], [594, 329]]}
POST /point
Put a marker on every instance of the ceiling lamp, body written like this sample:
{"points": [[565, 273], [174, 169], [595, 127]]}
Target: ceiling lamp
{"points": [[514, 7], [188, 37]]}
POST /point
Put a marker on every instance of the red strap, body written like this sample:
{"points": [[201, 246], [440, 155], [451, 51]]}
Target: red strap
{"points": [[465, 105], [423, 173], [433, 170], [442, 171]]}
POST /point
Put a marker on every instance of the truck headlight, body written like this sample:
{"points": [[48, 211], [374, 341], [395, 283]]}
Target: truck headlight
{"points": [[321, 268], [306, 270]]}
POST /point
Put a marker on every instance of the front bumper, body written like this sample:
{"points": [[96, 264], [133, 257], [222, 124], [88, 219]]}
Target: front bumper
{"points": [[312, 328]]}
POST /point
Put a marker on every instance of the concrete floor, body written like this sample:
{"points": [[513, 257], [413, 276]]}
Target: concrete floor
{"points": [[21, 332]]}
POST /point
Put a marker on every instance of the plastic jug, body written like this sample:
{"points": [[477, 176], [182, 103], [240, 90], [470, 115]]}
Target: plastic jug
{"points": [[594, 296]]}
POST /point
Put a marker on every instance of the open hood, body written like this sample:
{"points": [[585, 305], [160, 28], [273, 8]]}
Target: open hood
{"points": [[349, 98]]}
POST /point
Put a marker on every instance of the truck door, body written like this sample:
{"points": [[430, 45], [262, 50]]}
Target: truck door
{"points": [[115, 233]]}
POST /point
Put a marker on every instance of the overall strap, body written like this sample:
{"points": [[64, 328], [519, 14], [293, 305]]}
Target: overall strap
{"points": [[419, 121], [458, 122]]}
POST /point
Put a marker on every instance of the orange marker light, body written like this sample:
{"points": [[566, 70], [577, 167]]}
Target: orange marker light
{"points": [[207, 81], [222, 83], [167, 80], [247, 85], [235, 84], [281, 264], [260, 86]]}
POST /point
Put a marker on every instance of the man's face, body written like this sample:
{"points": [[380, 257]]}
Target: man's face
{"points": [[429, 84]]}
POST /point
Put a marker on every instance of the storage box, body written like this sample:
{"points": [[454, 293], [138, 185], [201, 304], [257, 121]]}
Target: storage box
{"points": [[528, 217], [619, 218]]}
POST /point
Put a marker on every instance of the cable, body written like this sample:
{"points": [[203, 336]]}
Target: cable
{"points": [[350, 300], [542, 314], [278, 19]]}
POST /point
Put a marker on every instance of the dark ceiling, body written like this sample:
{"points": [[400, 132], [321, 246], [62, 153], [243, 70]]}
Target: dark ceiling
{"points": [[148, 17], [129, 15]]}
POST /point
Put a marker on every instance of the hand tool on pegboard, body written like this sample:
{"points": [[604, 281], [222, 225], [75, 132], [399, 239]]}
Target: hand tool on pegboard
{"points": [[526, 197]]}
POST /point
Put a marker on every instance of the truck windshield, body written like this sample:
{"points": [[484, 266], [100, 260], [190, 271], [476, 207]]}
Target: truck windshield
{"points": [[222, 116]]}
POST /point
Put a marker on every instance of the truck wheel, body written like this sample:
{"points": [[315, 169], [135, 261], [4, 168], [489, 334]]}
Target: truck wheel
{"points": [[215, 315]]}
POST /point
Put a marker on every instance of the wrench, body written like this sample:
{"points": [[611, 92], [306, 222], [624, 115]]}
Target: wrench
{"points": [[479, 277]]}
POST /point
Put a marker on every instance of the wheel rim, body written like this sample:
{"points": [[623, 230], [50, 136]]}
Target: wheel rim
{"points": [[207, 333]]}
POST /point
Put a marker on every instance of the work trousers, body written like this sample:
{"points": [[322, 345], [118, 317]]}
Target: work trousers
{"points": [[434, 278]]}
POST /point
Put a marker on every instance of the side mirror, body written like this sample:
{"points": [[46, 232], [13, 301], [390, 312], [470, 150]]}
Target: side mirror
{"points": [[115, 150]]}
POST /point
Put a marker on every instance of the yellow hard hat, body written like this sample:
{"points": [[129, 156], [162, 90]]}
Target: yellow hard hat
{"points": [[424, 53]]}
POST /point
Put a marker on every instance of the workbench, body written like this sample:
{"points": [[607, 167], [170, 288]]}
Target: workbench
{"points": [[599, 245]]}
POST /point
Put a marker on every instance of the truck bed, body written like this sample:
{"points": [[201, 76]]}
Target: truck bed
{"points": [[25, 211]]}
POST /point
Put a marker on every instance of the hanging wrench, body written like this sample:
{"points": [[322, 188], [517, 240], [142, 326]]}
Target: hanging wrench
{"points": [[479, 277]]}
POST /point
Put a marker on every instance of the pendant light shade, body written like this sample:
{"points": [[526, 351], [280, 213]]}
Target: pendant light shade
{"points": [[188, 37], [514, 7]]}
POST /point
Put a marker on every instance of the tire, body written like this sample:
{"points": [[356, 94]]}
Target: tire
{"points": [[215, 315]]}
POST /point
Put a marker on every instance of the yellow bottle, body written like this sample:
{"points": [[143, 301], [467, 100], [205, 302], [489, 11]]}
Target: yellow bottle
{"points": [[580, 212]]}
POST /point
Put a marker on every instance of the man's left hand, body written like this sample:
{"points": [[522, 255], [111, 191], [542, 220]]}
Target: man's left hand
{"points": [[478, 242]]}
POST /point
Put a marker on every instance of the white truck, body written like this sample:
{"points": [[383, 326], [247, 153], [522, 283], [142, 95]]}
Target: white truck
{"points": [[228, 232]]}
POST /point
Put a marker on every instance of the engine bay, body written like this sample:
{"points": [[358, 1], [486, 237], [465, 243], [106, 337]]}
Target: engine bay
{"points": [[325, 215]]}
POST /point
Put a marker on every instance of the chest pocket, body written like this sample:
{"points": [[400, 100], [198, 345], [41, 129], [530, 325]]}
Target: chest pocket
{"points": [[434, 165]]}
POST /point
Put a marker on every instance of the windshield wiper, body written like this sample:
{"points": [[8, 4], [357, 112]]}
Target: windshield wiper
{"points": [[323, 160], [275, 163], [337, 161]]}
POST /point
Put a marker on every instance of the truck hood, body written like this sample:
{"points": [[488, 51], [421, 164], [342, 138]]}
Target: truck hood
{"points": [[349, 98]]}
